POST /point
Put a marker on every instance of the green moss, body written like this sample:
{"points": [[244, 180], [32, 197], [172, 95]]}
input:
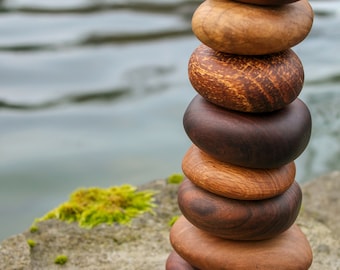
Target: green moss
{"points": [[31, 243], [173, 220], [34, 229], [175, 178], [93, 206], [60, 259]]}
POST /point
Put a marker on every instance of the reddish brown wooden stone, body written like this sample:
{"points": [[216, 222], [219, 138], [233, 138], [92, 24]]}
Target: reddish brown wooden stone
{"points": [[233, 181], [238, 28], [267, 2], [267, 140], [236, 219], [288, 251], [176, 262], [261, 83]]}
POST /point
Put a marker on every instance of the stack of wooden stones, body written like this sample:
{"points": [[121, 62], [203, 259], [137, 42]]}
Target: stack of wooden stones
{"points": [[240, 199]]}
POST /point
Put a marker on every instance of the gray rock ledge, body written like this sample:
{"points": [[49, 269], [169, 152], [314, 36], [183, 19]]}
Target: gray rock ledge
{"points": [[144, 244]]}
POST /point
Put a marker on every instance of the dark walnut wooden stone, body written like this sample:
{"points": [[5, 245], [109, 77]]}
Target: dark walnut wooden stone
{"points": [[267, 2], [266, 140], [288, 251], [176, 262], [233, 181], [262, 83], [238, 28], [238, 219]]}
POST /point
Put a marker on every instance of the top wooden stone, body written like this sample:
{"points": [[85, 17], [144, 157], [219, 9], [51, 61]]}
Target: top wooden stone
{"points": [[245, 29], [267, 2]]}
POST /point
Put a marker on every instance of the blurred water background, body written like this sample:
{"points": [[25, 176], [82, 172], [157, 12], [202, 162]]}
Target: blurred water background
{"points": [[92, 93]]}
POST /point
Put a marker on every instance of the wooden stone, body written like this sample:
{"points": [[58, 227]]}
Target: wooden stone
{"points": [[176, 262], [262, 83], [288, 251], [267, 2], [238, 28], [236, 219], [233, 181], [267, 140]]}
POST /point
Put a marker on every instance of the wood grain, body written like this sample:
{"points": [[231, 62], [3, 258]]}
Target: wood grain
{"points": [[233, 181], [267, 140], [238, 28], [237, 219], [245, 83], [288, 251]]}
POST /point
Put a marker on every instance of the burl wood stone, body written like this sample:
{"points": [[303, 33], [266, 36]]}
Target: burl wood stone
{"points": [[262, 83], [237, 219], [266, 140], [233, 181], [238, 28], [288, 251]]}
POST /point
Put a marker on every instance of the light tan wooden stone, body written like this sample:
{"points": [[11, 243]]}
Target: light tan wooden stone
{"points": [[267, 2], [238, 28]]}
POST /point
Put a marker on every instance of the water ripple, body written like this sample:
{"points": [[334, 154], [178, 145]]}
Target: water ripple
{"points": [[183, 8], [102, 96], [100, 39], [333, 78]]}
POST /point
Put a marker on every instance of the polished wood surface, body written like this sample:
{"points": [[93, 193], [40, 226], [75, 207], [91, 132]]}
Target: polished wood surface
{"points": [[267, 2], [262, 83], [238, 28], [236, 182], [267, 140], [176, 262], [288, 251], [236, 219]]}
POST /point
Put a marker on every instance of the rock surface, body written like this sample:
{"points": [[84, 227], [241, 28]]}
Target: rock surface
{"points": [[144, 244]]}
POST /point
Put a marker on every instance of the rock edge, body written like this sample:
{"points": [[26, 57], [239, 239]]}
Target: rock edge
{"points": [[144, 244]]}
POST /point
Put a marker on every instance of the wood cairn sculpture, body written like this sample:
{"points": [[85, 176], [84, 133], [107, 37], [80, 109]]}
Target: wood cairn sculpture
{"points": [[240, 199]]}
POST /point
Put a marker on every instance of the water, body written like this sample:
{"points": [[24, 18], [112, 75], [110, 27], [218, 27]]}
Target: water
{"points": [[92, 93]]}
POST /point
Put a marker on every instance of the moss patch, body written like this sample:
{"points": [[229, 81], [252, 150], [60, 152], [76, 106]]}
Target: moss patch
{"points": [[34, 228], [93, 206], [175, 178], [61, 259], [31, 243]]}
